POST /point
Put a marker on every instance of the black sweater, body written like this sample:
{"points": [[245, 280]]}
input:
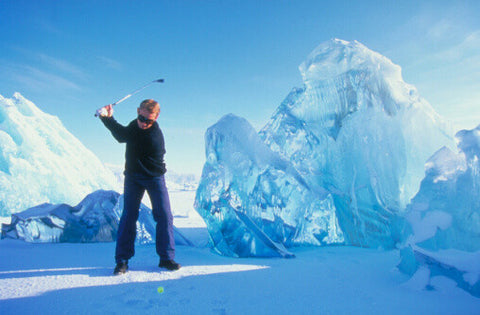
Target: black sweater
{"points": [[145, 147]]}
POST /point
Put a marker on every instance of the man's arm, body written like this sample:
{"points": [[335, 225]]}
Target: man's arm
{"points": [[119, 132]]}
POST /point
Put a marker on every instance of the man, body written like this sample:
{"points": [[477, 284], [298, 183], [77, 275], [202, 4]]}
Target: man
{"points": [[144, 170]]}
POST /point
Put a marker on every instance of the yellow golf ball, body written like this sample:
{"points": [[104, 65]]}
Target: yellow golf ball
{"points": [[160, 289]]}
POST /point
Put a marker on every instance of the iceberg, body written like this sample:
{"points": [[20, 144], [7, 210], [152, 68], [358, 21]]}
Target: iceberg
{"points": [[445, 213], [337, 163], [41, 162], [94, 219], [238, 199], [444, 216]]}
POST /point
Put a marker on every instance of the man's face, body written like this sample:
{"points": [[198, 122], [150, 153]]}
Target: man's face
{"points": [[145, 119]]}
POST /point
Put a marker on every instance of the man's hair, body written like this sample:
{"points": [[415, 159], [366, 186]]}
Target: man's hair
{"points": [[150, 105]]}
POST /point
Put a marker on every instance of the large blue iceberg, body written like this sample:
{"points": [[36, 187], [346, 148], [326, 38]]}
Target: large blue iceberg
{"points": [[337, 163]]}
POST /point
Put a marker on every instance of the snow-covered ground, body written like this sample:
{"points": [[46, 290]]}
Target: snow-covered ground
{"points": [[77, 279]]}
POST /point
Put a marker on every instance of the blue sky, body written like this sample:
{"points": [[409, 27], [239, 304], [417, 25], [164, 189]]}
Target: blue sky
{"points": [[219, 57]]}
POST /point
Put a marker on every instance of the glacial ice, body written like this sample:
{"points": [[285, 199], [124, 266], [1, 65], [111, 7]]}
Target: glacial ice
{"points": [[444, 216], [445, 213], [249, 196], [94, 219], [337, 163], [41, 162]]}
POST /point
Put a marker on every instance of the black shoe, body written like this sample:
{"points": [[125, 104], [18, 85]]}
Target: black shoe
{"points": [[169, 264], [121, 268]]}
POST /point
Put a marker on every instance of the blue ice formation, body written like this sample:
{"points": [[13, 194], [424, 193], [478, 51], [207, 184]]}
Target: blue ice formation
{"points": [[41, 161], [94, 219], [444, 216], [337, 163]]}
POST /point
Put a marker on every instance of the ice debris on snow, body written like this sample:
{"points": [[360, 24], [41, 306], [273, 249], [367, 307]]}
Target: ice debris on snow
{"points": [[94, 219], [444, 216], [40, 161], [337, 163]]}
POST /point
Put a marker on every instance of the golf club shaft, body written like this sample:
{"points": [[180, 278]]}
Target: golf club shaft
{"points": [[133, 93]]}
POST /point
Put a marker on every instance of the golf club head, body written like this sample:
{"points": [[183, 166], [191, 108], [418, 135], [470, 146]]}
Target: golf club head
{"points": [[159, 80]]}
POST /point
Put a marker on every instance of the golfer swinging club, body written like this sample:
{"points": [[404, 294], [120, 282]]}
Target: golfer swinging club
{"points": [[144, 170]]}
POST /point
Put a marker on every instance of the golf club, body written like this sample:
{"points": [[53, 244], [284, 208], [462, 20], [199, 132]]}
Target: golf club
{"points": [[97, 113]]}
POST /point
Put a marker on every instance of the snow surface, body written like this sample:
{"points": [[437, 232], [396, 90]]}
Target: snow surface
{"points": [[66, 278]]}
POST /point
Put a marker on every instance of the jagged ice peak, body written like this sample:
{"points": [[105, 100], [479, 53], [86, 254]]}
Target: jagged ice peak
{"points": [[336, 57]]}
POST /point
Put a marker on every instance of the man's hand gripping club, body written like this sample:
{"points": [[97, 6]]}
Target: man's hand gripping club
{"points": [[105, 111]]}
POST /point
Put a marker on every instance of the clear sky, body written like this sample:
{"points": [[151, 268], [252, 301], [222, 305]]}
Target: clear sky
{"points": [[220, 57]]}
